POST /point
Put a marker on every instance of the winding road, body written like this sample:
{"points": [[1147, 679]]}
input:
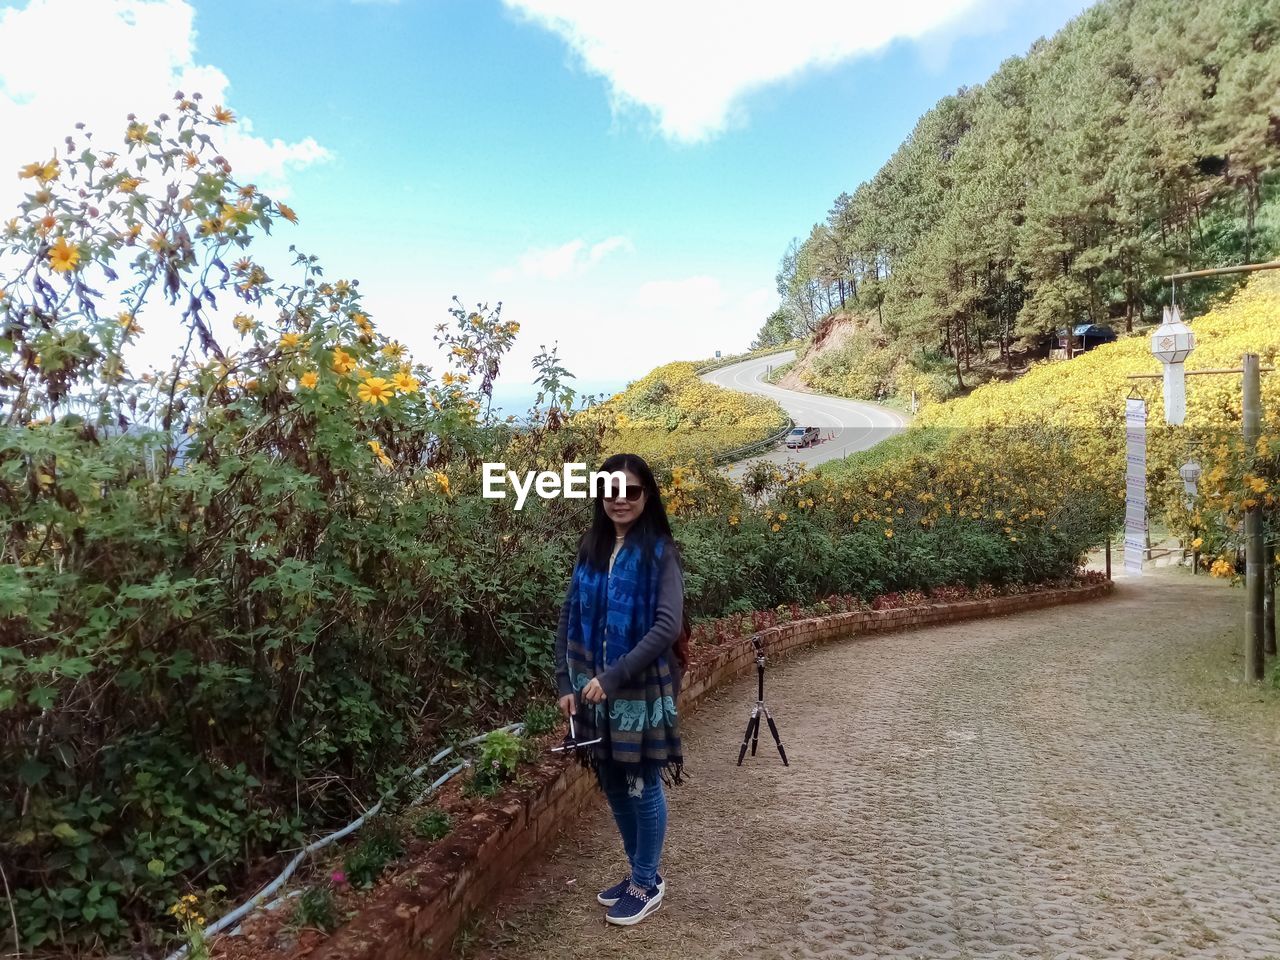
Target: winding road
{"points": [[847, 425]]}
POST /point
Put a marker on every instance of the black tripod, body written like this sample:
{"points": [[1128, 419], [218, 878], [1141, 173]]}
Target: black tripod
{"points": [[753, 725]]}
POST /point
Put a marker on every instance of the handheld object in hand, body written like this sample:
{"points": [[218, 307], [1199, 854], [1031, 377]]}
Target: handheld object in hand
{"points": [[571, 742]]}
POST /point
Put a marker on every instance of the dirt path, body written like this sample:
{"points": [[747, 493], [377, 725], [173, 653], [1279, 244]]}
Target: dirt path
{"points": [[1014, 787]]}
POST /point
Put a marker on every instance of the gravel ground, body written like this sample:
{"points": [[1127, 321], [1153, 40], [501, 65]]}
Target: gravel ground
{"points": [[1083, 781]]}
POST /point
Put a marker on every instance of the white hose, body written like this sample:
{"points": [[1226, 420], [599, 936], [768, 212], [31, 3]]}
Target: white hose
{"points": [[249, 905]]}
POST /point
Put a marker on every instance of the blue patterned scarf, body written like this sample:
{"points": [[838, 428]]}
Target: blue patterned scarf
{"points": [[609, 614]]}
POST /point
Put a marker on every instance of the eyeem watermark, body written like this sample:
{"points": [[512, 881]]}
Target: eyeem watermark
{"points": [[574, 482]]}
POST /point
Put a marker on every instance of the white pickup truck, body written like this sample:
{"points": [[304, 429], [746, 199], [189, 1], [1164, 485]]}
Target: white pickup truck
{"points": [[802, 437]]}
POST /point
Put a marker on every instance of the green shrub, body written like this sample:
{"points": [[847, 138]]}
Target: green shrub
{"points": [[315, 910], [500, 755], [432, 825], [379, 845], [541, 717]]}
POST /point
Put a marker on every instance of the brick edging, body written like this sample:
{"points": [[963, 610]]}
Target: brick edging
{"points": [[417, 915]]}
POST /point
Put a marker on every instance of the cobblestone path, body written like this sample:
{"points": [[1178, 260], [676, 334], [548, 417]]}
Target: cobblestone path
{"points": [[1045, 785]]}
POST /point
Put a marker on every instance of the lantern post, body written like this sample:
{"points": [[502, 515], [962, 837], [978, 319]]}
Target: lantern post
{"points": [[1190, 473], [1171, 343]]}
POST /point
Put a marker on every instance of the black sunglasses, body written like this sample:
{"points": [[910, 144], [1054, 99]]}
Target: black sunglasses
{"points": [[631, 493]]}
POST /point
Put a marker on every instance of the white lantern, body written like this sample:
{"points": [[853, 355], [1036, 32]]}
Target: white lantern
{"points": [[1172, 342], [1190, 473]]}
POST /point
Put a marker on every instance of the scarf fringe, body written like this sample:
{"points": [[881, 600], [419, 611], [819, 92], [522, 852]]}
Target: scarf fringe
{"points": [[609, 773]]}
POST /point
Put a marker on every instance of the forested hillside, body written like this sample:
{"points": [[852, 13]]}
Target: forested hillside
{"points": [[1142, 139]]}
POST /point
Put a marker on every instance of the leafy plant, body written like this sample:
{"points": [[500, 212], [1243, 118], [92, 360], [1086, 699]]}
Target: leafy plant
{"points": [[379, 846], [433, 825], [500, 755], [316, 909], [541, 717]]}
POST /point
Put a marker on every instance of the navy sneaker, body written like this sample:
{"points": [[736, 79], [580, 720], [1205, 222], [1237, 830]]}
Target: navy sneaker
{"points": [[611, 895], [634, 905]]}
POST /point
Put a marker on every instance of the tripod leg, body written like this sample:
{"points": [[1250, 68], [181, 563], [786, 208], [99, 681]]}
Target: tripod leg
{"points": [[752, 724], [755, 733], [773, 728]]}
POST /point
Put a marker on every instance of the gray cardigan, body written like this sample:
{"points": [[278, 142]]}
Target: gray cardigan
{"points": [[660, 639]]}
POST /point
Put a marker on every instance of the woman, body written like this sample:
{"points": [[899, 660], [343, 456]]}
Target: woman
{"points": [[622, 616]]}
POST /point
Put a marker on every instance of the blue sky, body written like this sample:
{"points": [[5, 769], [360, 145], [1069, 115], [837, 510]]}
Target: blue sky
{"points": [[626, 188]]}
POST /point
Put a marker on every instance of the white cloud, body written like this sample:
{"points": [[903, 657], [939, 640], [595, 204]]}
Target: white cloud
{"points": [[690, 62], [570, 259], [96, 61]]}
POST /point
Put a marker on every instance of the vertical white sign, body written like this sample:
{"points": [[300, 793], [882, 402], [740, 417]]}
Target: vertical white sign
{"points": [[1135, 485]]}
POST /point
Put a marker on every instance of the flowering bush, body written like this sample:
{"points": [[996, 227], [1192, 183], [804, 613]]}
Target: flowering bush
{"points": [[671, 417], [233, 592], [1085, 397]]}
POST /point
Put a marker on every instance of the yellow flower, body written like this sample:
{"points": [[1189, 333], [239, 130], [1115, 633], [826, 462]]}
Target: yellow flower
{"points": [[343, 362], [64, 257], [393, 351], [782, 517], [130, 325], [287, 213], [405, 383], [448, 379], [309, 380], [243, 323], [733, 520], [223, 115], [889, 534], [443, 482], [1197, 543], [44, 172], [136, 133], [378, 452], [289, 340], [775, 527], [1257, 484], [375, 390], [362, 373], [129, 184], [362, 324]]}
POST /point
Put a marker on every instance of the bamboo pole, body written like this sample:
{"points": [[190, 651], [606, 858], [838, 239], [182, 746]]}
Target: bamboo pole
{"points": [[1222, 271], [1196, 373], [1255, 651], [1269, 592]]}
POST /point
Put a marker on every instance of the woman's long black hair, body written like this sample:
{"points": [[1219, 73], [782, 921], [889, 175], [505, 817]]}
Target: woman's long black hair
{"points": [[650, 527]]}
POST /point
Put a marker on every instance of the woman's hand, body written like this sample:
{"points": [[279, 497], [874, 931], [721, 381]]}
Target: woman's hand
{"points": [[593, 692], [568, 704]]}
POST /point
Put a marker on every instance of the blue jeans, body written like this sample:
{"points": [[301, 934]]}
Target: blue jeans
{"points": [[642, 821]]}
